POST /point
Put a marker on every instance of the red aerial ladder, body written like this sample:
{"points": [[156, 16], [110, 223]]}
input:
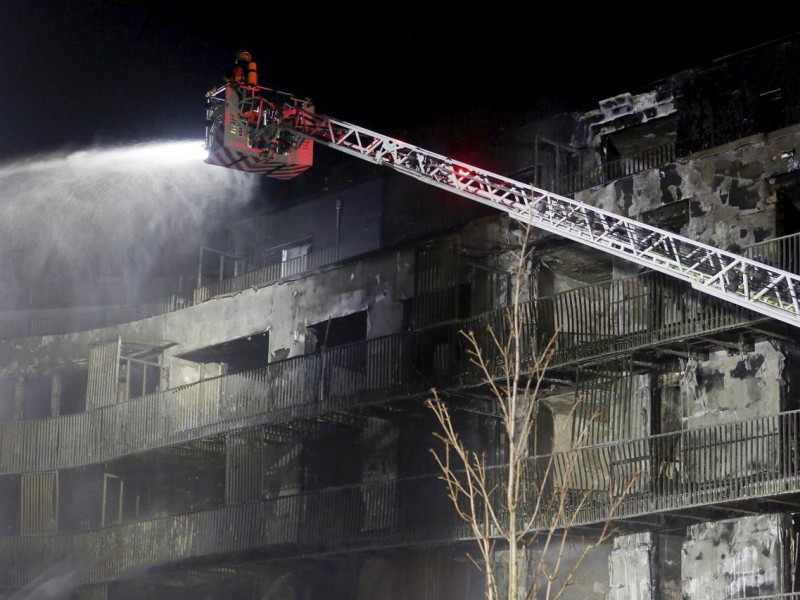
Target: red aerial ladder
{"points": [[263, 131]]}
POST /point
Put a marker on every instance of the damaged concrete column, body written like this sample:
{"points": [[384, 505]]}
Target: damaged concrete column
{"points": [[630, 567], [737, 558]]}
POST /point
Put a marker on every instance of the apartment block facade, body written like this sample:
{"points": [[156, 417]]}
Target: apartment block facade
{"points": [[264, 435]]}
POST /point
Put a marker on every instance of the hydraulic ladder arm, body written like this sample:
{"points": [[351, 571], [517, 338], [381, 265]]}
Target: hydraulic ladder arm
{"points": [[745, 282]]}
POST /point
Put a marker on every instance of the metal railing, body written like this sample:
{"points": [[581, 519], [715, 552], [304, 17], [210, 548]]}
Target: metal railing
{"points": [[641, 312], [270, 273], [611, 170], [669, 472], [782, 252], [89, 318]]}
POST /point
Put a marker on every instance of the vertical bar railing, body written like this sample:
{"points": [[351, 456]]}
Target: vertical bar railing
{"points": [[708, 465], [782, 252], [609, 171]]}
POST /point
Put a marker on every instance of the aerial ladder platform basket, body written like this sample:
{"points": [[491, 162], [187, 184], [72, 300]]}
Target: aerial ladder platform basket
{"points": [[242, 131]]}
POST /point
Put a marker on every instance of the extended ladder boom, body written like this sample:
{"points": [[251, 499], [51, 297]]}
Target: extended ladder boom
{"points": [[745, 282], [748, 283]]}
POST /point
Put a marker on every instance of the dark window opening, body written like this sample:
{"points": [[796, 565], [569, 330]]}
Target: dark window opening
{"points": [[80, 501], [10, 492], [216, 265], [241, 354], [771, 110], [72, 398], [790, 397], [795, 533], [38, 397], [343, 358], [438, 353], [408, 314], [787, 217], [331, 461], [340, 330], [637, 148], [464, 300], [7, 399], [670, 217], [113, 496], [140, 378], [139, 368]]}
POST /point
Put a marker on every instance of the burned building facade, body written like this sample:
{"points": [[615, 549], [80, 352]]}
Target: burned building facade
{"points": [[265, 436]]}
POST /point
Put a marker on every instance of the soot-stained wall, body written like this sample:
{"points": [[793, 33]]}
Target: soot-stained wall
{"points": [[736, 558], [630, 565], [733, 387], [352, 218], [587, 573], [729, 388], [724, 199]]}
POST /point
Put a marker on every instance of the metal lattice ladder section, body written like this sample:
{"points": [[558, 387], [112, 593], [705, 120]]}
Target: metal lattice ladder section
{"points": [[745, 282]]}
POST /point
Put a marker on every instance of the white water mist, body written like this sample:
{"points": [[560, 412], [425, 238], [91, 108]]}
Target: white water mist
{"points": [[108, 216]]}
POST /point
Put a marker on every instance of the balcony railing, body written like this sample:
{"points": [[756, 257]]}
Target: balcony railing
{"points": [[267, 274], [613, 319], [88, 318], [671, 472], [782, 252], [255, 275], [609, 171]]}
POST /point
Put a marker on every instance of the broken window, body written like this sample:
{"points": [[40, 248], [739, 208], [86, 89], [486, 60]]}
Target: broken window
{"points": [[240, 354], [345, 363], [139, 371], [787, 217], [294, 259], [783, 253], [670, 217], [113, 492], [638, 148], [339, 331], [216, 265]]}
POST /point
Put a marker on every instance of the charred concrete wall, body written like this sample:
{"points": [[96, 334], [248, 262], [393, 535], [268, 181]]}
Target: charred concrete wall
{"points": [[723, 198], [376, 285], [729, 388], [350, 218], [669, 552], [578, 576], [630, 567], [732, 387], [622, 112], [736, 558]]}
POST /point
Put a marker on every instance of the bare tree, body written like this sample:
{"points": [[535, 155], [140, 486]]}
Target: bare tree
{"points": [[526, 500]]}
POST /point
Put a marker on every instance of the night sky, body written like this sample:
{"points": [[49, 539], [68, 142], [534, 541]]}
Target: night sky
{"points": [[85, 73]]}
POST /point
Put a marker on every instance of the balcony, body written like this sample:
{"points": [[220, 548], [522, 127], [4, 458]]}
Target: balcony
{"points": [[673, 474], [598, 323], [576, 181]]}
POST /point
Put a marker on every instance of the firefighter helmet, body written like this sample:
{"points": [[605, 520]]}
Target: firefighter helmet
{"points": [[243, 55]]}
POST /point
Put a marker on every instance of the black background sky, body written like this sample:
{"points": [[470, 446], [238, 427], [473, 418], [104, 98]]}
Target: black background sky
{"points": [[88, 72]]}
